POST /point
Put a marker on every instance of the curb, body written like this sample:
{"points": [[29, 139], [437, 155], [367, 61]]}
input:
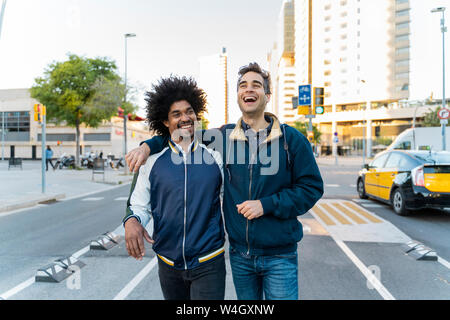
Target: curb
{"points": [[31, 203]]}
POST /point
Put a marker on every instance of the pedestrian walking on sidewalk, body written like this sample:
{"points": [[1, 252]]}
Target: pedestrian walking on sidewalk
{"points": [[181, 187], [271, 177], [48, 158]]}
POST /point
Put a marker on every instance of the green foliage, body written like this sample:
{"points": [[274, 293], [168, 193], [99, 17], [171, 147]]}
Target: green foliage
{"points": [[431, 118], [80, 91], [205, 123], [303, 128], [383, 141]]}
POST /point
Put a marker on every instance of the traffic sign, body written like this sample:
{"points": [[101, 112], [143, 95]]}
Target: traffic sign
{"points": [[304, 95], [303, 110], [444, 114], [294, 102]]}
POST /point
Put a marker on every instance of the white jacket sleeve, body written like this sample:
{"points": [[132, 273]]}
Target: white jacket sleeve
{"points": [[140, 197]]}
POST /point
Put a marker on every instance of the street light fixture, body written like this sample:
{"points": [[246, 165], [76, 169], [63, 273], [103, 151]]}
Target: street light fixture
{"points": [[443, 30], [125, 116]]}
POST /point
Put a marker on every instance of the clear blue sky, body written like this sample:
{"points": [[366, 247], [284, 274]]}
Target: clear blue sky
{"points": [[171, 36]]}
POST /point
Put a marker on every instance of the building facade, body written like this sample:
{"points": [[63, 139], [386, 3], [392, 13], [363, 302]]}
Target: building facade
{"points": [[213, 80], [379, 62], [281, 64], [21, 136]]}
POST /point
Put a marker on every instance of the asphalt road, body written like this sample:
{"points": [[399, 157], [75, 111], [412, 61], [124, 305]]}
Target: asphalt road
{"points": [[351, 261]]}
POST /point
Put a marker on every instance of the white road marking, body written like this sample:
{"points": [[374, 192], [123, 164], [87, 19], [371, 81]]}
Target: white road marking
{"points": [[80, 252], [444, 262], [93, 199], [362, 200], [121, 199], [371, 205], [17, 289], [22, 286], [94, 192], [332, 185], [364, 270], [353, 186], [136, 280]]}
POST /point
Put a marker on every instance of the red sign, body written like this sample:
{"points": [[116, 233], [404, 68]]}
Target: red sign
{"points": [[444, 114]]}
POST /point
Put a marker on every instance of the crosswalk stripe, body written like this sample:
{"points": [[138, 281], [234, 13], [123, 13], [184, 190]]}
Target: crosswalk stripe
{"points": [[323, 216], [362, 212], [335, 214], [93, 199], [350, 214]]}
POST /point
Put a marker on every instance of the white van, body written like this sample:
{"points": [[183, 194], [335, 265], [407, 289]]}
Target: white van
{"points": [[423, 138]]}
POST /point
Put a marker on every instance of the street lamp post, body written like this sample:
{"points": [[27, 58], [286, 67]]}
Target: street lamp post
{"points": [[125, 116], [443, 30], [2, 13]]}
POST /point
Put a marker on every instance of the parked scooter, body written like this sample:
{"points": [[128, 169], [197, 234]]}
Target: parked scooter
{"points": [[87, 160], [65, 162]]}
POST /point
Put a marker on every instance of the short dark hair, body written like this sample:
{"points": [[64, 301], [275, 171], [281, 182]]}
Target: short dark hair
{"points": [[165, 93], [254, 67]]}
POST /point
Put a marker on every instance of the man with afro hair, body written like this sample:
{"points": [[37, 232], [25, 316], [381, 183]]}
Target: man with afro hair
{"points": [[181, 188]]}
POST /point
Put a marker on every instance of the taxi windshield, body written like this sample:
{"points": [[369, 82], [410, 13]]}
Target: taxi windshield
{"points": [[434, 157]]}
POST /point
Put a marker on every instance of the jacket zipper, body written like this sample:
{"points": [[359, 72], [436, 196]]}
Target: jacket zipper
{"points": [[249, 198], [185, 209]]}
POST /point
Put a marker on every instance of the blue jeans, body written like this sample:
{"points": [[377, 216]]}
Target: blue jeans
{"points": [[274, 276]]}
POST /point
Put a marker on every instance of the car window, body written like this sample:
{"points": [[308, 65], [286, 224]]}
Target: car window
{"points": [[408, 163], [443, 157], [379, 162], [394, 160], [405, 145]]}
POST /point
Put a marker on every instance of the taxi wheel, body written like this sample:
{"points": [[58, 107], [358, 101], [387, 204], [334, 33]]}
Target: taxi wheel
{"points": [[398, 202], [361, 190]]}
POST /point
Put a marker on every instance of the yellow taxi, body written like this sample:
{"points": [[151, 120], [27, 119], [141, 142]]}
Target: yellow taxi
{"points": [[407, 180]]}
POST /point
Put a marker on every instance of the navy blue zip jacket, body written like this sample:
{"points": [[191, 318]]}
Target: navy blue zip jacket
{"points": [[282, 174], [182, 193]]}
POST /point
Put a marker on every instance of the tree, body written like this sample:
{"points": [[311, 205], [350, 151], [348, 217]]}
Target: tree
{"points": [[303, 128], [80, 91], [431, 118], [204, 122]]}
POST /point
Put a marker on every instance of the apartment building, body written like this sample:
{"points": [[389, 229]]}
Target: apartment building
{"points": [[281, 64], [214, 80], [379, 62]]}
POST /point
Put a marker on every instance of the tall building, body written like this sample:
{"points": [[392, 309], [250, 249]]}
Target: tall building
{"points": [[379, 62], [281, 62], [214, 80]]}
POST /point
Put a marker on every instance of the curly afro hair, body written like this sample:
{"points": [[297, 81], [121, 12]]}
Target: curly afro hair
{"points": [[165, 93]]}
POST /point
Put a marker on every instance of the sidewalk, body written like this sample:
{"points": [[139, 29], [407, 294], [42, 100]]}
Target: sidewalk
{"points": [[342, 161], [23, 188]]}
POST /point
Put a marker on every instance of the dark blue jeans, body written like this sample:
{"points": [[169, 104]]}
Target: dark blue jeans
{"points": [[206, 282], [275, 277]]}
